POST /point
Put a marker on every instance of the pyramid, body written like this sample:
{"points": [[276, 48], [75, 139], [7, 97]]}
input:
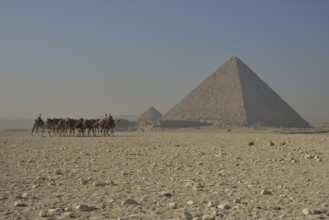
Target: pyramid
{"points": [[235, 95], [151, 115]]}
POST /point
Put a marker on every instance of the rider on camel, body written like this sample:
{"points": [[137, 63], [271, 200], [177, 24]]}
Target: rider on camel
{"points": [[39, 119]]}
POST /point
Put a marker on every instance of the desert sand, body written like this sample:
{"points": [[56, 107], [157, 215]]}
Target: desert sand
{"points": [[181, 174]]}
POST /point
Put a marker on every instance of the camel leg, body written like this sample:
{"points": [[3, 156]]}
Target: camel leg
{"points": [[33, 129]]}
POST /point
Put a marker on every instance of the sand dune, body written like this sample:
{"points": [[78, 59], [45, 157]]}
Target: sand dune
{"points": [[165, 175]]}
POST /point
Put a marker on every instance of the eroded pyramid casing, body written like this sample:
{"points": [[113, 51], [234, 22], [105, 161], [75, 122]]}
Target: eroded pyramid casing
{"points": [[235, 95]]}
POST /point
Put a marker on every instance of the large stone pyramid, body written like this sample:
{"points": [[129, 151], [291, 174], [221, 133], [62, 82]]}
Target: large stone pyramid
{"points": [[151, 115], [235, 95]]}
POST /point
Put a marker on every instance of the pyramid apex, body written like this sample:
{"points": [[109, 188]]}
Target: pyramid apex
{"points": [[234, 59]]}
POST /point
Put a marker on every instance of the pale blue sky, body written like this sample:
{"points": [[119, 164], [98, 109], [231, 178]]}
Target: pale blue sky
{"points": [[85, 58]]}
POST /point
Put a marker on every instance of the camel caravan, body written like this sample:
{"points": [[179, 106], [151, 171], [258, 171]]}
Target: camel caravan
{"points": [[75, 127]]}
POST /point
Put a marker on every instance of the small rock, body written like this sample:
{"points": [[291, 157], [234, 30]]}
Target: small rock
{"points": [[99, 183], [166, 194], [124, 173], [69, 214], [208, 217], [129, 202], [317, 158], [55, 211], [187, 215], [85, 208], [236, 201], [25, 195], [251, 143], [311, 211], [35, 186], [266, 192], [191, 202], [271, 143], [308, 156], [58, 172], [20, 204], [188, 184], [224, 206], [43, 213], [82, 181], [283, 143], [172, 205]]}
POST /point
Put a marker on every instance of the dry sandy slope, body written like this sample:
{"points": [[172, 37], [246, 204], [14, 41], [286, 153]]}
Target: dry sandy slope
{"points": [[170, 175]]}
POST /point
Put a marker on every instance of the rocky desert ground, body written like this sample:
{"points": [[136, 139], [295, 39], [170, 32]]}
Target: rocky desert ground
{"points": [[167, 174]]}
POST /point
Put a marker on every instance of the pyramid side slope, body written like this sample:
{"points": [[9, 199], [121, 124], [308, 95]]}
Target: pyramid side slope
{"points": [[264, 105]]}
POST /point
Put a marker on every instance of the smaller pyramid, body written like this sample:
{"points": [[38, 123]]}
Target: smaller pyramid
{"points": [[151, 115]]}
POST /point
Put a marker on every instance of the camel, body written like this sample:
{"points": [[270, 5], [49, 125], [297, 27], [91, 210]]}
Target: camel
{"points": [[107, 125], [38, 123], [91, 125], [51, 125]]}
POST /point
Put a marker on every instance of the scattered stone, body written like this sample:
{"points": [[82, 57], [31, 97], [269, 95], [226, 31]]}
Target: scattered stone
{"points": [[224, 206], [251, 143], [25, 195], [124, 173], [197, 187], [317, 158], [129, 202], [82, 181], [311, 211], [187, 215], [208, 217], [236, 201], [69, 214], [85, 208], [35, 186], [188, 184], [55, 211], [41, 178], [173, 205], [134, 216], [43, 213], [292, 160], [166, 194], [20, 204], [266, 192], [68, 209], [308, 156], [58, 172], [99, 183]]}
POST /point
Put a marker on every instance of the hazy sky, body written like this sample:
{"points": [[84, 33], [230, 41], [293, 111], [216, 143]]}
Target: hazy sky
{"points": [[85, 58]]}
